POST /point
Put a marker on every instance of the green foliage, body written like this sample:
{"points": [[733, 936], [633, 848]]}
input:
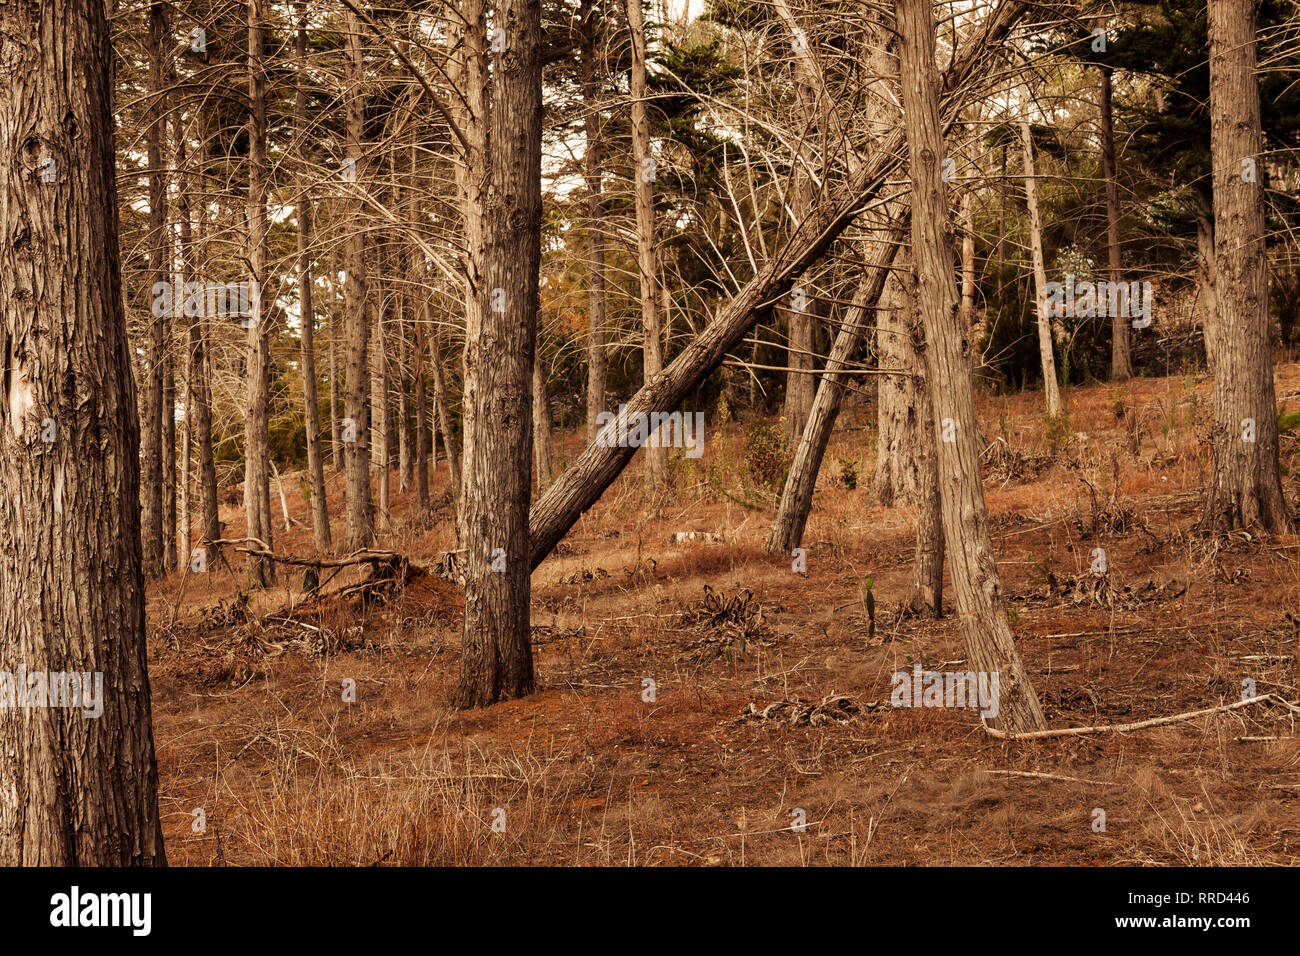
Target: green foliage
{"points": [[1287, 421], [767, 456], [869, 607], [849, 473]]}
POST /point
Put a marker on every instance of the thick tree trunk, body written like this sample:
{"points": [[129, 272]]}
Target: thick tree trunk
{"points": [[1035, 226], [897, 425], [801, 320], [151, 511], [360, 531], [582, 484], [503, 223], [75, 790], [985, 630], [1121, 365], [796, 497], [652, 361], [596, 358], [1245, 489], [320, 518], [923, 462], [257, 477]]}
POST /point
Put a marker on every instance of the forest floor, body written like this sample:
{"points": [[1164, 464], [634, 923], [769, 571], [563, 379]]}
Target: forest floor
{"points": [[252, 727]]}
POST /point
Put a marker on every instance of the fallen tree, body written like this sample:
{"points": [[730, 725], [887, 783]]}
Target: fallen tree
{"points": [[582, 484]]}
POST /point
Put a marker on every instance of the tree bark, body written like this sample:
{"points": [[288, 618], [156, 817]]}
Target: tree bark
{"points": [[582, 484], [652, 361], [897, 425], [801, 322], [1121, 365], [320, 518], [596, 358], [74, 790], [151, 513], [360, 531], [1035, 225], [1245, 488], [503, 223], [985, 630], [257, 477]]}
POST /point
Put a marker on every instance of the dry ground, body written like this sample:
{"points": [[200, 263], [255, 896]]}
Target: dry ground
{"points": [[252, 727]]}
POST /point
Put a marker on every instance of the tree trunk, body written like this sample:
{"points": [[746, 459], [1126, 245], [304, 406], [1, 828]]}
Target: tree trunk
{"points": [[1245, 489], [897, 426], [1121, 365], [360, 531], [923, 463], [985, 630], [257, 478], [199, 400], [582, 484], [151, 511], [1035, 226], [796, 497], [652, 361], [380, 405], [320, 518], [596, 358], [74, 790], [415, 275], [503, 223], [336, 446], [801, 319]]}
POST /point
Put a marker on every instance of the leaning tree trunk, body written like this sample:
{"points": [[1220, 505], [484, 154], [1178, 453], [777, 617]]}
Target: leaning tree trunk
{"points": [[582, 484], [985, 630], [151, 514], [257, 477], [320, 517], [596, 358], [74, 790], [1245, 489], [503, 224], [360, 530], [1035, 226], [1121, 365], [643, 172], [796, 496]]}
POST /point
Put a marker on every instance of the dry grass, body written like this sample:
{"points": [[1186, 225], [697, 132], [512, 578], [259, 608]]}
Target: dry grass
{"points": [[252, 726]]}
